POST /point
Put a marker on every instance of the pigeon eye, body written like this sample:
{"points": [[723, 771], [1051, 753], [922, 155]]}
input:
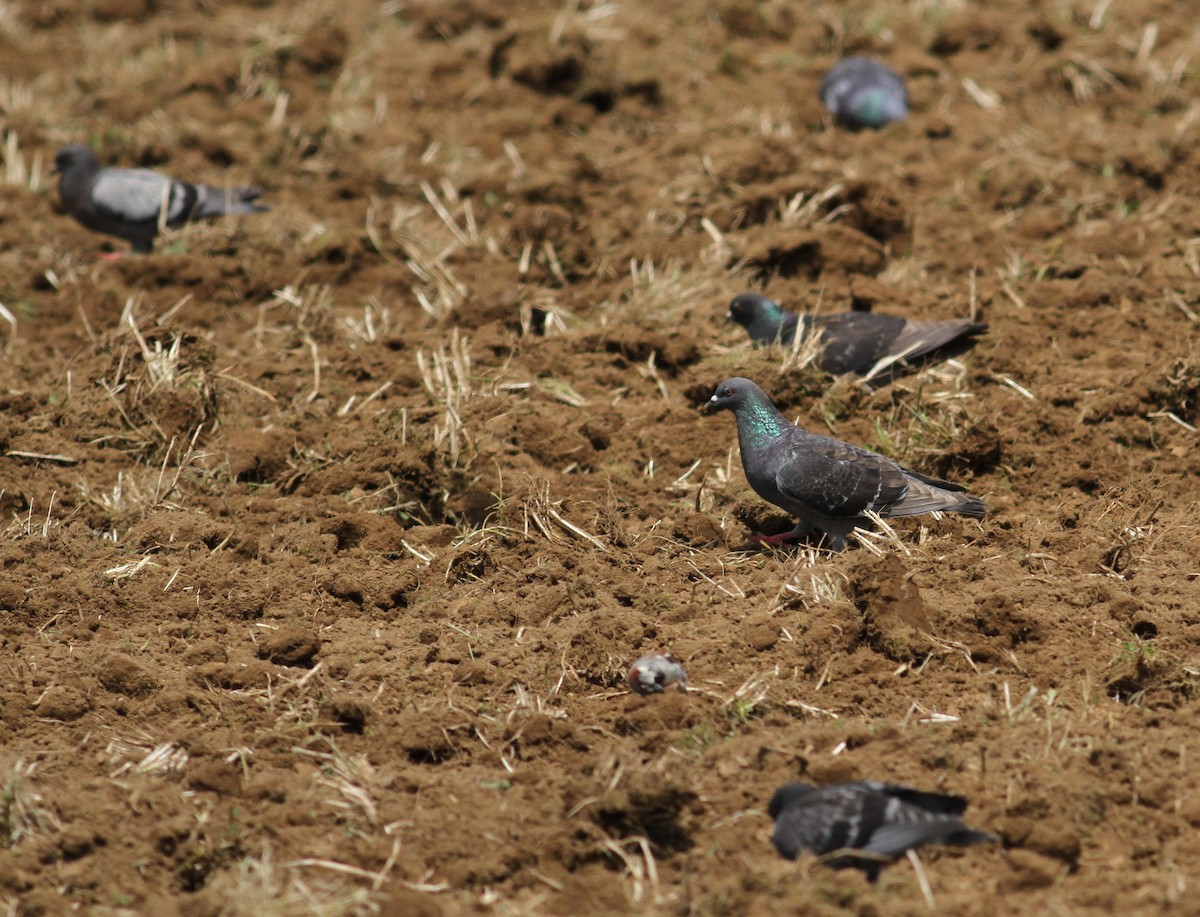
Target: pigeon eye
{"points": [[728, 393]]}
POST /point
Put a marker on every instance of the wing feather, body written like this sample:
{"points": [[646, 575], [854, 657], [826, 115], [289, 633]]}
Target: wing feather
{"points": [[134, 195], [839, 480]]}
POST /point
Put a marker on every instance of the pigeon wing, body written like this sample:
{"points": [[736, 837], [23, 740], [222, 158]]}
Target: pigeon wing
{"points": [[818, 823], [787, 329], [837, 479], [854, 341], [941, 803], [138, 196], [894, 838]]}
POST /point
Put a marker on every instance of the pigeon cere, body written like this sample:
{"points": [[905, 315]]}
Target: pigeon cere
{"points": [[135, 204], [870, 344], [865, 825], [373, 540], [827, 484]]}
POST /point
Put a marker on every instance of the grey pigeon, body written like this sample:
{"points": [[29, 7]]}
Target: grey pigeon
{"points": [[826, 483], [863, 92], [133, 204], [654, 673], [879, 822], [870, 344]]}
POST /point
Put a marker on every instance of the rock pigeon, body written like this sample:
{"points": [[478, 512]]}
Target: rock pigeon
{"points": [[654, 673], [863, 92], [870, 344], [134, 204], [826, 483], [879, 822]]}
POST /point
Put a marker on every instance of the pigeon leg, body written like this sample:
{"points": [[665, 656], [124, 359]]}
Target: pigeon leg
{"points": [[111, 256], [835, 543], [835, 537], [801, 529]]}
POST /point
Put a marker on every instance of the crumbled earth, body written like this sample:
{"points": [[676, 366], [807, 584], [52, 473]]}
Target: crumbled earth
{"points": [[330, 534]]}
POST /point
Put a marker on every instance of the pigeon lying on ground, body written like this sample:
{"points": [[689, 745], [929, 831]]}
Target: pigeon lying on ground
{"points": [[133, 204], [863, 92], [654, 673], [870, 344], [878, 821], [825, 482]]}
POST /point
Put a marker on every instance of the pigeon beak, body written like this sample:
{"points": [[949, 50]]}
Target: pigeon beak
{"points": [[729, 316], [709, 406]]}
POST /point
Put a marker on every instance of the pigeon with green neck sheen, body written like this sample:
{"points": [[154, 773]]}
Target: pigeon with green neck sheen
{"points": [[869, 344], [827, 484], [865, 825], [863, 92], [134, 204]]}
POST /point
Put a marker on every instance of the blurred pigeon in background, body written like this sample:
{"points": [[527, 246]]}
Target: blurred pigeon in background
{"points": [[870, 344], [863, 92], [134, 204], [655, 672], [828, 484], [873, 823]]}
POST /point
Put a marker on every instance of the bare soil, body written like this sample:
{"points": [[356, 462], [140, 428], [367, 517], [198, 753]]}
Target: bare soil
{"points": [[329, 534]]}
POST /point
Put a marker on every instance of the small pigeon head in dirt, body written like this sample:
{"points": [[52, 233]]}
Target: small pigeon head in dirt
{"points": [[655, 672], [863, 92], [865, 825]]}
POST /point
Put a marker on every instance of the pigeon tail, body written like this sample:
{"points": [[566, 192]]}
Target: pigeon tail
{"points": [[927, 495], [969, 836], [941, 803], [216, 202], [919, 339]]}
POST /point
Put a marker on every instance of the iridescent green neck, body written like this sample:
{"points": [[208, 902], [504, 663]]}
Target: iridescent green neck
{"points": [[870, 106], [773, 311], [759, 420]]}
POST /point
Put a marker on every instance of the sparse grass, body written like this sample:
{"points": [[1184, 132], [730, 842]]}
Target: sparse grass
{"points": [[140, 754], [30, 527], [24, 812], [257, 886], [658, 290], [351, 779], [143, 490], [446, 375], [16, 170], [375, 324], [538, 510], [811, 582], [747, 701], [427, 237]]}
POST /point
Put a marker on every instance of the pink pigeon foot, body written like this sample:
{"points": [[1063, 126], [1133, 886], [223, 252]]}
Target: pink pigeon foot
{"points": [[774, 540]]}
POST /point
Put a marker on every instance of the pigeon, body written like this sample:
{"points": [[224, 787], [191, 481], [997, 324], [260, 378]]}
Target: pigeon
{"points": [[134, 204], [863, 92], [654, 673], [869, 344], [828, 484], [866, 824]]}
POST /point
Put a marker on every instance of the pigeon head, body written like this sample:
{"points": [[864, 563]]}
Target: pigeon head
{"points": [[75, 156], [785, 795], [732, 394], [760, 316]]}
